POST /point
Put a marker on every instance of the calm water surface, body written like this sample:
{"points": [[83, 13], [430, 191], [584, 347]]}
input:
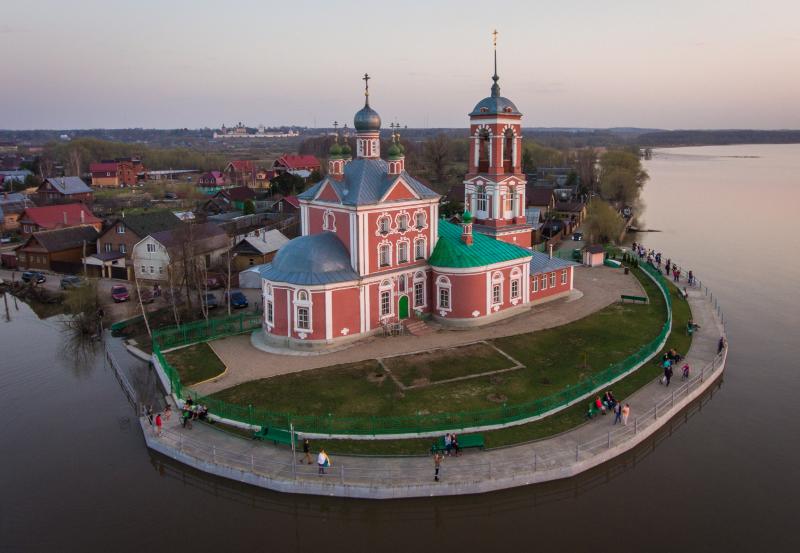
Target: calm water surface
{"points": [[75, 475]]}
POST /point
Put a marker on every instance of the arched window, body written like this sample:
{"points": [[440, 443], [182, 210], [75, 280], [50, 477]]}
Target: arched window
{"points": [[329, 221], [419, 248], [302, 312], [444, 299], [497, 288], [419, 289], [385, 255], [481, 205], [516, 284], [508, 150], [386, 298], [402, 222], [402, 251], [384, 223], [419, 219], [484, 150]]}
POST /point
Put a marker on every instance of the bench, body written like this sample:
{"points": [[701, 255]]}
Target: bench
{"points": [[275, 435], [465, 441], [626, 297]]}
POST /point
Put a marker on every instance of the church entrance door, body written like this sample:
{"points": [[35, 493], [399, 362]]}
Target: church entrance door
{"points": [[402, 307]]}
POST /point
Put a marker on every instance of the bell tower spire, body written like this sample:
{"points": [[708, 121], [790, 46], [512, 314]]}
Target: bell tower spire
{"points": [[495, 77], [368, 127]]}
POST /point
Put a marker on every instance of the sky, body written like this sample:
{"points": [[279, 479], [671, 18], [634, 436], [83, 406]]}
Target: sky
{"points": [[567, 63]]}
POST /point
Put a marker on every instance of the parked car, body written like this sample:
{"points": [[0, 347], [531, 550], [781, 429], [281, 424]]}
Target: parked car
{"points": [[238, 300], [71, 282], [5, 239], [119, 293], [33, 276], [210, 300], [214, 282], [577, 236], [170, 196]]}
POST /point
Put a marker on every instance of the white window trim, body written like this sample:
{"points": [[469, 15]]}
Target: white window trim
{"points": [[408, 252], [120, 229], [417, 214], [388, 246], [421, 240], [443, 283], [497, 280], [298, 303], [552, 280], [398, 218], [544, 282], [535, 282], [563, 276], [269, 312], [328, 214], [384, 217], [419, 278], [385, 287], [515, 282]]}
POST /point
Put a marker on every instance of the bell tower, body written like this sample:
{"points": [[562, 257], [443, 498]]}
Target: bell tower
{"points": [[494, 186]]}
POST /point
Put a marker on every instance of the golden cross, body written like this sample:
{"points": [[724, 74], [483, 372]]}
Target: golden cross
{"points": [[494, 38], [366, 79]]}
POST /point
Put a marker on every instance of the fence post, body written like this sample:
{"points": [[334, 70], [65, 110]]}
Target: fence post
{"points": [[577, 448], [609, 439], [252, 463], [673, 399], [214, 454], [534, 461], [656, 412], [636, 425]]}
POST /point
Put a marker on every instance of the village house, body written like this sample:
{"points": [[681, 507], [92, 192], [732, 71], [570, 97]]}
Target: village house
{"points": [[50, 217], [59, 190], [229, 199], [60, 250], [240, 172], [252, 250], [112, 258], [300, 165], [12, 205], [116, 172], [287, 205], [542, 199], [164, 255], [211, 182], [263, 178]]}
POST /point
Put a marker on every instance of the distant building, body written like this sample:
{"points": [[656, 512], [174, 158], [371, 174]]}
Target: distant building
{"points": [[116, 172], [14, 175], [541, 198], [263, 178], [163, 255], [12, 204], [240, 172], [112, 258], [35, 219], [211, 182], [62, 190], [59, 250], [229, 199], [241, 131], [289, 163]]}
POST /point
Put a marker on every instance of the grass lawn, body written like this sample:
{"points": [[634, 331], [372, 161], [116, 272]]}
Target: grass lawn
{"points": [[195, 363], [444, 364], [553, 358]]}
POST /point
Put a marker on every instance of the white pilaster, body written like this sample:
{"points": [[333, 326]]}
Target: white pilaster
{"points": [[328, 314]]}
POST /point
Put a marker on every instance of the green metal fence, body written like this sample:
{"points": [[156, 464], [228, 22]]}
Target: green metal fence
{"points": [[333, 424]]}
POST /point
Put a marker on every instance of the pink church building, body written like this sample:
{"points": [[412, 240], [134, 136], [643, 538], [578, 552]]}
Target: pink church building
{"points": [[374, 251]]}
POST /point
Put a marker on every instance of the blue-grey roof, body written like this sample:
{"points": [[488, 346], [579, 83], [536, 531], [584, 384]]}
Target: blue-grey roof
{"points": [[495, 105], [543, 263], [311, 260], [366, 181], [69, 185]]}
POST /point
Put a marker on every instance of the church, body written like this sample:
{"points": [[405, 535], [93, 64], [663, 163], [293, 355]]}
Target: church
{"points": [[374, 251]]}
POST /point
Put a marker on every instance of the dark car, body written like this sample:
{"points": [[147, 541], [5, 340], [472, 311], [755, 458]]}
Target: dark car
{"points": [[238, 300], [33, 276], [170, 196], [71, 282], [577, 236], [210, 300], [119, 293]]}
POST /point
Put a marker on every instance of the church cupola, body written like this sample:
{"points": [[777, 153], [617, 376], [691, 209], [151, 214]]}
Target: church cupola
{"points": [[395, 153], [335, 156], [368, 126], [466, 228]]}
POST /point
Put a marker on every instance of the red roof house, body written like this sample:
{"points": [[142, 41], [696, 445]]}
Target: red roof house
{"points": [[35, 219], [291, 162], [240, 172]]}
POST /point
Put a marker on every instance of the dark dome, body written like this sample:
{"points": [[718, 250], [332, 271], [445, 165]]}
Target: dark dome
{"points": [[313, 259], [367, 119], [495, 105]]}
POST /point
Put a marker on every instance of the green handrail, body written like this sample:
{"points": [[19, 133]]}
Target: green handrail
{"points": [[201, 331]]}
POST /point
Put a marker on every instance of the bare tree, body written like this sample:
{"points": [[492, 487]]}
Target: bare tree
{"points": [[436, 153]]}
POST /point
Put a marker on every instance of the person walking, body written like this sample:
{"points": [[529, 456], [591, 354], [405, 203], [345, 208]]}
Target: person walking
{"points": [[437, 464], [617, 413], [149, 414], [721, 344], [667, 374], [159, 423], [167, 412], [306, 451], [685, 369], [626, 411], [323, 461]]}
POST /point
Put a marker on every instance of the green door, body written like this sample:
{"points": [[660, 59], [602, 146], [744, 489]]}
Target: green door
{"points": [[403, 307]]}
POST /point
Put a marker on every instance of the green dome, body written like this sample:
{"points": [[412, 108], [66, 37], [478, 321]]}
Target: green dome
{"points": [[346, 151], [394, 151], [467, 217], [335, 150]]}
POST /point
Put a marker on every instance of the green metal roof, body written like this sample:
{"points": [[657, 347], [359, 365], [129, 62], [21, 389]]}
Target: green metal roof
{"points": [[451, 252]]}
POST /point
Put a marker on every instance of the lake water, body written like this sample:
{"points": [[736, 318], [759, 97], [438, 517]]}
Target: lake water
{"points": [[75, 474]]}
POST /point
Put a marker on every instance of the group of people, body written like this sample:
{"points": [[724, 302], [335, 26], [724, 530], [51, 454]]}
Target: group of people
{"points": [[192, 411], [156, 420], [671, 359], [323, 460], [654, 258], [451, 444], [609, 404]]}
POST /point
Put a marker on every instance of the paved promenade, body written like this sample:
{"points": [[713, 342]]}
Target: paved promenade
{"points": [[561, 456], [597, 288]]}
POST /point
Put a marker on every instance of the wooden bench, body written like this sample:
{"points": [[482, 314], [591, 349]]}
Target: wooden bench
{"points": [[465, 441], [275, 435], [626, 297]]}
